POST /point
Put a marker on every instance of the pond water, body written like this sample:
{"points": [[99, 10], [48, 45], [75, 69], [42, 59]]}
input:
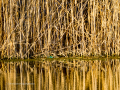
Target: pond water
{"points": [[72, 74]]}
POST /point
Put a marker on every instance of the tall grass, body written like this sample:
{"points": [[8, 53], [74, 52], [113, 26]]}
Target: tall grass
{"points": [[60, 27]]}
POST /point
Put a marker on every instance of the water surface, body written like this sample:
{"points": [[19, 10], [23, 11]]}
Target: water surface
{"points": [[72, 74]]}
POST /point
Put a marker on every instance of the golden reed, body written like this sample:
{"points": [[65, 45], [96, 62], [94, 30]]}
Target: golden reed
{"points": [[44, 27]]}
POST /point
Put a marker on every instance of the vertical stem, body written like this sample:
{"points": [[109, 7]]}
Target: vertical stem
{"points": [[82, 17], [28, 28], [49, 31], [72, 26], [94, 32], [7, 29], [20, 30], [1, 23]]}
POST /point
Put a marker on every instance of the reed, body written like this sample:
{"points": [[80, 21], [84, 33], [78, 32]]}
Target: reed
{"points": [[32, 28]]}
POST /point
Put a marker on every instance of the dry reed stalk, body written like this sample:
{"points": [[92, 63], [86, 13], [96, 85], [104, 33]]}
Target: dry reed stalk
{"points": [[34, 24], [1, 27], [10, 26], [7, 28], [28, 29], [38, 23], [31, 27], [1, 23], [72, 27], [48, 26]]}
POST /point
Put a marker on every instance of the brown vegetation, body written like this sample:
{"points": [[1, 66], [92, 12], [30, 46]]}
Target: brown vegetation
{"points": [[78, 27]]}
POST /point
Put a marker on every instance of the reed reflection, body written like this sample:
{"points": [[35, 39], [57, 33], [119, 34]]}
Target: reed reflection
{"points": [[60, 75]]}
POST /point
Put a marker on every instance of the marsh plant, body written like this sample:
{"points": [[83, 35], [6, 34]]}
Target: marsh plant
{"points": [[60, 27]]}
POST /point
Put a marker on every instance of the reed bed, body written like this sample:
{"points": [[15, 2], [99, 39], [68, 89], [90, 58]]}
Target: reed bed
{"points": [[59, 27], [60, 75]]}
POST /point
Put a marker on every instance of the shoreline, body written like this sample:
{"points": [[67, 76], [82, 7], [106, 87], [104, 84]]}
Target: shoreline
{"points": [[63, 58]]}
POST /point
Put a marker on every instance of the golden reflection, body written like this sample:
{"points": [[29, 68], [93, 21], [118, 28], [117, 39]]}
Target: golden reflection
{"points": [[60, 75]]}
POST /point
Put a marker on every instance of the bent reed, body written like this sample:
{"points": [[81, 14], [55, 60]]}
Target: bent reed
{"points": [[59, 27]]}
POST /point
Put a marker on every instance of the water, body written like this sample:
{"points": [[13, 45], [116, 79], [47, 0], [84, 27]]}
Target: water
{"points": [[60, 75]]}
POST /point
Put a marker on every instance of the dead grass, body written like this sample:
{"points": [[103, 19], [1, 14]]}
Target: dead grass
{"points": [[77, 27]]}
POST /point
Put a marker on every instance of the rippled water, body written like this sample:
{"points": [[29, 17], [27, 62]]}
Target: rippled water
{"points": [[60, 75]]}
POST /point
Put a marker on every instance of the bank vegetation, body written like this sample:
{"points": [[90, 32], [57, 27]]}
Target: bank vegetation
{"points": [[31, 28]]}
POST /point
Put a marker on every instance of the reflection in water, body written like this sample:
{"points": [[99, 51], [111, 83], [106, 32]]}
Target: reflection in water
{"points": [[60, 75]]}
